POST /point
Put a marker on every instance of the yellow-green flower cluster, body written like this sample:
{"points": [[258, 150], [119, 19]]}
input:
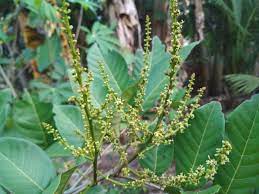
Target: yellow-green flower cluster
{"points": [[145, 70], [192, 178], [180, 122], [222, 153], [76, 151], [67, 28], [175, 60], [138, 129]]}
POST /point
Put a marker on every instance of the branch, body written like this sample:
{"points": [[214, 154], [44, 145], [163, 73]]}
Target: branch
{"points": [[79, 23], [7, 81]]}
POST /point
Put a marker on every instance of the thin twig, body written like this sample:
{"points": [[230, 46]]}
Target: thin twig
{"points": [[7, 81], [152, 185], [87, 172], [79, 22], [75, 186]]}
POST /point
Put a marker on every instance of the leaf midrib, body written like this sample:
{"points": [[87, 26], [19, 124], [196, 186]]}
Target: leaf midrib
{"points": [[38, 119], [154, 89], [202, 138], [110, 72], [243, 152], [22, 172], [155, 159]]}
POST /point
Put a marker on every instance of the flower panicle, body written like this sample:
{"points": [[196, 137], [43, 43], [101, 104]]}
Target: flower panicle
{"points": [[192, 178], [146, 67], [76, 151]]}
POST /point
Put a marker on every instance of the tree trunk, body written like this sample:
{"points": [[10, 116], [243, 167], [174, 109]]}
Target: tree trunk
{"points": [[160, 20], [199, 19], [125, 15]]}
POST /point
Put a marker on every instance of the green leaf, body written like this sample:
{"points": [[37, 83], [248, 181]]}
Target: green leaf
{"points": [[56, 150], [64, 180], [68, 120], [201, 139], [186, 50], [52, 188], [212, 190], [41, 7], [158, 159], [96, 190], [242, 83], [138, 64], [58, 185], [55, 95], [5, 98], [159, 65], [2, 191], [103, 36], [48, 12], [5, 61], [242, 130], [29, 113], [25, 168], [98, 91], [115, 67], [48, 53], [87, 4], [3, 36]]}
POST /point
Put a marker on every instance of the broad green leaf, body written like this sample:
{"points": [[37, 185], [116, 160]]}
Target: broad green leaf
{"points": [[11, 129], [98, 91], [32, 5], [87, 4], [34, 20], [2, 191], [186, 50], [184, 53], [64, 180], [55, 95], [29, 113], [159, 65], [48, 12], [5, 99], [45, 10], [25, 168], [201, 139], [138, 64], [240, 176], [56, 150], [115, 67], [58, 185], [68, 120], [51, 189], [103, 36], [158, 159], [211, 190], [48, 53]]}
